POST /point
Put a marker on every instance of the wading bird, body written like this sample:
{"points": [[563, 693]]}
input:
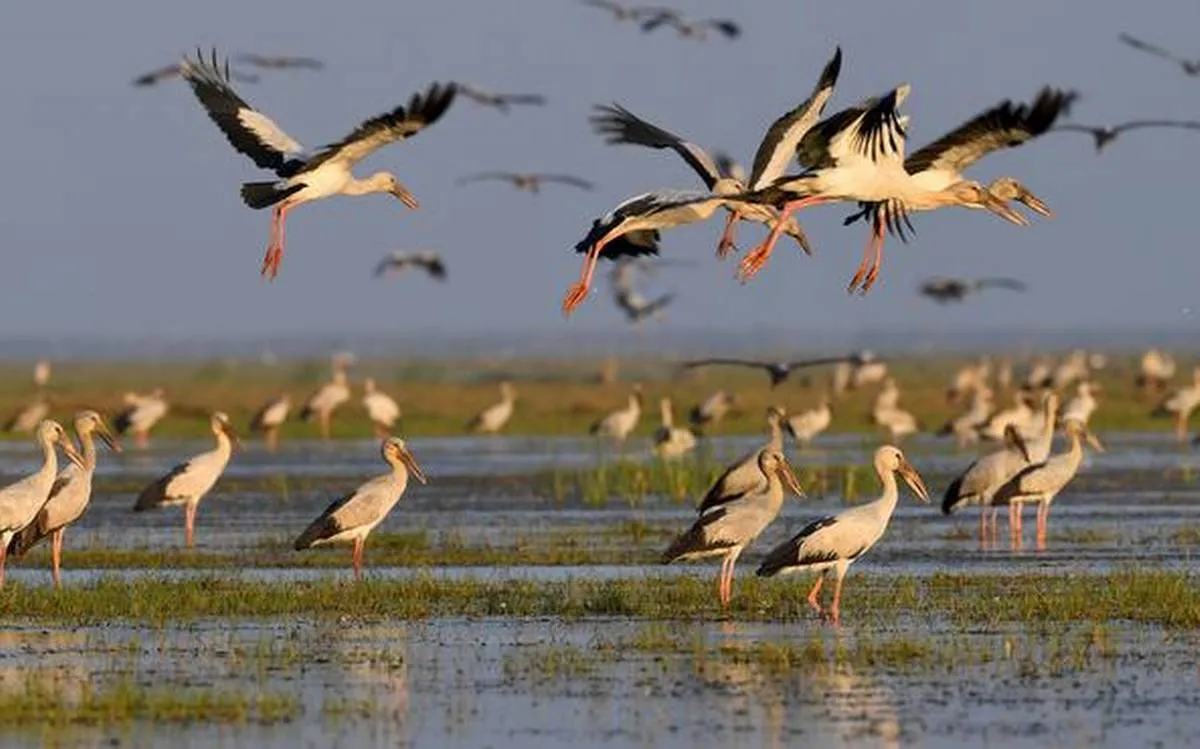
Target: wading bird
{"points": [[1155, 370], [712, 410], [140, 414], [528, 181], [943, 289], [1103, 136], [1181, 403], [398, 262], [280, 62], [69, 495], [501, 102], [354, 516], [269, 418], [1040, 483], [670, 441], [327, 399], [621, 12], [381, 408], [806, 425], [778, 372], [738, 507], [187, 483], [1191, 67], [1082, 405], [21, 502], [305, 177], [494, 418], [983, 478], [835, 542], [618, 425]]}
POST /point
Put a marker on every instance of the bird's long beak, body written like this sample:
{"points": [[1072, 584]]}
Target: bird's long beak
{"points": [[788, 476], [1003, 210], [1033, 203], [405, 197], [71, 453], [107, 437], [410, 463], [914, 480]]}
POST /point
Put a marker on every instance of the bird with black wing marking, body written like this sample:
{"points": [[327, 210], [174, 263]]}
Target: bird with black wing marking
{"points": [[1103, 136], [398, 262], [943, 289], [280, 62], [1189, 66], [499, 102], [307, 176]]}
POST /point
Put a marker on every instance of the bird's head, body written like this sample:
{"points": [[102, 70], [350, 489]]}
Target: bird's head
{"points": [[51, 433], [972, 194], [890, 459], [221, 425], [772, 463], [396, 453], [1008, 188], [387, 182], [90, 422], [1078, 430]]}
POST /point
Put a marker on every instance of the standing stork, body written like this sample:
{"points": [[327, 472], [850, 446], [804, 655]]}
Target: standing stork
{"points": [[269, 418], [806, 425], [354, 516], [21, 502], [494, 418], [381, 408], [619, 424], [305, 177], [187, 483], [140, 414], [1082, 405], [670, 441], [327, 399], [984, 477], [735, 510], [835, 542], [69, 495], [1181, 403]]}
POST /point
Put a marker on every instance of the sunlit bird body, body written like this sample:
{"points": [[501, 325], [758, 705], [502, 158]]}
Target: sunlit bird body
{"points": [[381, 408], [268, 419], [69, 495], [1181, 403], [965, 427], [738, 507], [806, 425], [354, 516], [327, 399], [983, 478], [140, 414], [712, 410], [1155, 369], [496, 416], [1082, 405], [188, 483], [305, 177], [670, 441], [835, 542], [619, 424], [20, 502]]}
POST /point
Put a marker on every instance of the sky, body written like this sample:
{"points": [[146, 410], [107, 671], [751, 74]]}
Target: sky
{"points": [[121, 217]]}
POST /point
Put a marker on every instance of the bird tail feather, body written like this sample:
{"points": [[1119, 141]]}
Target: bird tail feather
{"points": [[260, 195]]}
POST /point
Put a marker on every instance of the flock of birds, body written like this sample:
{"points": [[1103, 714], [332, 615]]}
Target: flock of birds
{"points": [[1022, 469]]}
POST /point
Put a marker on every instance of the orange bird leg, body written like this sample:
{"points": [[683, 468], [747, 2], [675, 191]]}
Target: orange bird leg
{"points": [[755, 260], [835, 612], [274, 256], [865, 275], [813, 594], [358, 557], [189, 524], [578, 292], [56, 539], [726, 244]]}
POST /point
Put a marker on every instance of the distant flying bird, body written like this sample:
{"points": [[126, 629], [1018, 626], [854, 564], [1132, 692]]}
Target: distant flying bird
{"points": [[943, 290], [168, 72], [691, 29], [398, 262], [531, 182], [1105, 135], [628, 299], [1191, 67], [280, 62], [502, 102], [622, 12], [305, 177], [777, 371]]}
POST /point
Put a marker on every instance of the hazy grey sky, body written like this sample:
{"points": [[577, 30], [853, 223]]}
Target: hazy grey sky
{"points": [[121, 213]]}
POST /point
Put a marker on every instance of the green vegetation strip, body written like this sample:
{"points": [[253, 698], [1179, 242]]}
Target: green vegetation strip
{"points": [[1169, 599]]}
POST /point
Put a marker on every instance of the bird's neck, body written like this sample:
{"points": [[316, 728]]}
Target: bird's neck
{"points": [[49, 462], [366, 186], [886, 504], [87, 451], [666, 415], [224, 444], [776, 441]]}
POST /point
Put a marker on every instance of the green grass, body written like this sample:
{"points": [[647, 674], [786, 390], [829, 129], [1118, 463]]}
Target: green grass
{"points": [[1168, 599]]}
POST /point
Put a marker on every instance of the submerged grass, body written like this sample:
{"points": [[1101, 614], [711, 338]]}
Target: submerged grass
{"points": [[1168, 599]]}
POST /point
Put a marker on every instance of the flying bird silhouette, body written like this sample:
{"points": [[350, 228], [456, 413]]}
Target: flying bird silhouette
{"points": [[1103, 136], [1191, 67], [280, 62], [502, 102], [943, 290], [778, 372], [399, 262], [529, 181]]}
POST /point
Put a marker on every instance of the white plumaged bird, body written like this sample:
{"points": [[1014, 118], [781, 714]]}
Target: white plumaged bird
{"points": [[187, 483], [327, 399], [1040, 483], [354, 516], [1082, 405], [738, 507], [306, 176], [712, 410], [140, 414], [670, 441], [965, 427], [382, 409], [806, 425], [619, 424], [28, 417], [835, 542], [1181, 403], [20, 502], [984, 477], [494, 418], [1020, 415], [269, 418], [69, 495]]}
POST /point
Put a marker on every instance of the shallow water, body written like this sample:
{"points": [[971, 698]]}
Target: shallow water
{"points": [[486, 683]]}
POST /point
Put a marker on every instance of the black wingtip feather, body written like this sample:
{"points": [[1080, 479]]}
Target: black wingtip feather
{"points": [[951, 498]]}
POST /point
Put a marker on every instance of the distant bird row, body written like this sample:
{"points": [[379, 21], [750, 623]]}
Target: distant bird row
{"points": [[657, 17]]}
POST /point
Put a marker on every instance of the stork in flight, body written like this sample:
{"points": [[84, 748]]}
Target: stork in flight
{"points": [[698, 29], [305, 177], [280, 62], [1103, 136], [398, 262], [779, 372], [860, 150], [500, 102], [622, 12], [942, 289], [170, 72], [528, 181], [1191, 67]]}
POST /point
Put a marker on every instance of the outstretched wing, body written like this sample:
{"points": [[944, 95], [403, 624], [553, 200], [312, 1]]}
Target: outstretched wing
{"points": [[249, 131], [567, 179], [727, 27], [402, 122], [618, 125], [1138, 44], [724, 362], [1000, 283], [779, 144], [1003, 126], [487, 177], [1138, 124], [872, 131]]}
